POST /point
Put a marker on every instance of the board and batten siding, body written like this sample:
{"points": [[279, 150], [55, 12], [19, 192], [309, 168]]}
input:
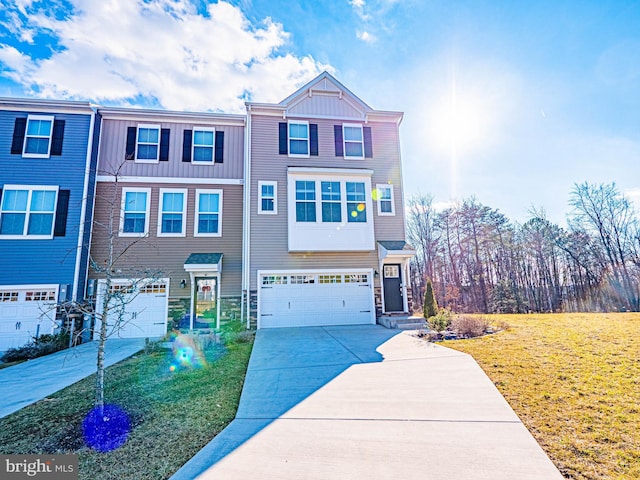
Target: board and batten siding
{"points": [[53, 260], [113, 147], [166, 255], [269, 233]]}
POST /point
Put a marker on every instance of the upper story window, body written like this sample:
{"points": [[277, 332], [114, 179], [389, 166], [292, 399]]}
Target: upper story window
{"points": [[171, 215], [299, 139], [134, 221], [148, 143], [208, 222], [356, 202], [28, 212], [331, 204], [353, 141], [267, 201], [203, 145], [305, 201], [385, 200], [37, 139], [37, 136]]}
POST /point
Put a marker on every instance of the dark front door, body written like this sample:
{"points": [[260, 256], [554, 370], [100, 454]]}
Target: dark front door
{"points": [[392, 288]]}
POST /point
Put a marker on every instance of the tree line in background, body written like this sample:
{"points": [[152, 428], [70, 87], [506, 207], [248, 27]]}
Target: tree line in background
{"points": [[480, 261]]}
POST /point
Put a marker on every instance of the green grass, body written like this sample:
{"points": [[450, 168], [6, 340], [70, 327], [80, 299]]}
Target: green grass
{"points": [[574, 380], [173, 413]]}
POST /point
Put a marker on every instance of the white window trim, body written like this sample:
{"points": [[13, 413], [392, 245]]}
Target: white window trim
{"points": [[275, 198], [345, 141], [25, 228], [193, 146], [197, 212], [149, 126], [342, 202], [50, 118], [298, 155], [121, 233], [379, 188], [184, 192]]}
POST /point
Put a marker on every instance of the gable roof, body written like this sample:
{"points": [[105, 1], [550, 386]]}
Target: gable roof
{"points": [[324, 97]]}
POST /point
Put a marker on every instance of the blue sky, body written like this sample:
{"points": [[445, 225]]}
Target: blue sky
{"points": [[512, 102]]}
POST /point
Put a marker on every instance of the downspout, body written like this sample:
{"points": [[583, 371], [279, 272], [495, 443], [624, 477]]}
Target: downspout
{"points": [[83, 210], [246, 242]]}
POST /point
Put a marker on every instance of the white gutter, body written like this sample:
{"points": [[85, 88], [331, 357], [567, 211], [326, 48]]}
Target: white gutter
{"points": [[83, 211], [246, 212]]}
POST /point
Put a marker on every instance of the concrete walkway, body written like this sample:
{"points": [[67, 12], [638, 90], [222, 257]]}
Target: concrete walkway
{"points": [[364, 402], [33, 380]]}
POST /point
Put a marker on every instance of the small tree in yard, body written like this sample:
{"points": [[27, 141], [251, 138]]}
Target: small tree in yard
{"points": [[430, 303]]}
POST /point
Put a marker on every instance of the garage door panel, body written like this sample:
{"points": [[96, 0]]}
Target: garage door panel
{"points": [[325, 298], [25, 313], [145, 310]]}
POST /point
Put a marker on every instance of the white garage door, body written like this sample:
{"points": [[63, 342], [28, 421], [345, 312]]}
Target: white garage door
{"points": [[315, 299], [25, 313], [139, 308]]}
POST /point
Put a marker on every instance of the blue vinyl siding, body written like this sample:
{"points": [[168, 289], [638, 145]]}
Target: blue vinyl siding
{"points": [[52, 260]]}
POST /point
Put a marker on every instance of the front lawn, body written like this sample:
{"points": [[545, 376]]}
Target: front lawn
{"points": [[174, 406], [574, 380]]}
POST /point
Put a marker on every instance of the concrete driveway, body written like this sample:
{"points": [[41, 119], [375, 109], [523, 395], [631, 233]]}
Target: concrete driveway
{"points": [[33, 380], [364, 402]]}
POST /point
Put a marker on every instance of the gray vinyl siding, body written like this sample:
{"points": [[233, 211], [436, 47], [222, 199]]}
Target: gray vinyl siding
{"points": [[165, 256], [269, 233], [49, 261], [112, 154]]}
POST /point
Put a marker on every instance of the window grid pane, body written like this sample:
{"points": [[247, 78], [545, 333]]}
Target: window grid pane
{"points": [[298, 139], [203, 142], [148, 143], [209, 213], [135, 212]]}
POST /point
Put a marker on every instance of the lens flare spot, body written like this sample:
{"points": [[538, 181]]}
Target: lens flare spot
{"points": [[107, 428], [354, 214], [375, 194], [361, 207], [186, 353], [172, 368]]}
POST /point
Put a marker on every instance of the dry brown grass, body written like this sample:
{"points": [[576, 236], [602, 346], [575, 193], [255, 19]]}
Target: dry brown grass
{"points": [[574, 380]]}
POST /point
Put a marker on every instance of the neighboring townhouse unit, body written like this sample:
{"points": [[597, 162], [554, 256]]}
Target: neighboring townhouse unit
{"points": [[47, 170], [326, 224], [169, 203]]}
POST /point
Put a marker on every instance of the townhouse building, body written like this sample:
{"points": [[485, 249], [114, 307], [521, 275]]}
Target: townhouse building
{"points": [[47, 165]]}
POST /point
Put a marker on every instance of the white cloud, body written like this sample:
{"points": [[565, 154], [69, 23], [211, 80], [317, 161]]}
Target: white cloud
{"points": [[366, 36], [163, 50]]}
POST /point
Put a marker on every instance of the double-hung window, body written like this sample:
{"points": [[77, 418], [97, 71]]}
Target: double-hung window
{"points": [[134, 221], [37, 139], [148, 143], [208, 222], [203, 145], [267, 201], [299, 139], [331, 205], [305, 201], [385, 200], [356, 202], [171, 217], [353, 141], [28, 212]]}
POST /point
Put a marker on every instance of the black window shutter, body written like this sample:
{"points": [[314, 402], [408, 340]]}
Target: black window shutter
{"points": [[282, 138], [219, 153], [60, 227], [19, 130], [337, 130], [130, 153], [368, 146], [313, 139], [164, 144], [57, 137], [186, 146]]}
